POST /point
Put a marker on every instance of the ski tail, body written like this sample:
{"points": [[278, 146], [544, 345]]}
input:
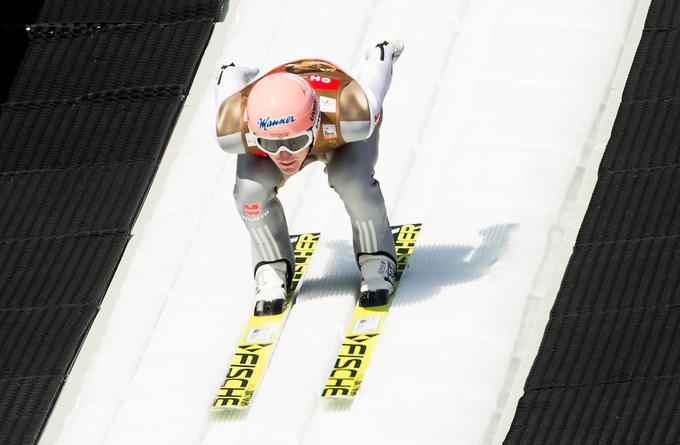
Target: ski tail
{"points": [[259, 338], [365, 327]]}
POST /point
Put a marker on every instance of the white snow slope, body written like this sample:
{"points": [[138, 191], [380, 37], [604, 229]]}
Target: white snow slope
{"points": [[496, 113]]}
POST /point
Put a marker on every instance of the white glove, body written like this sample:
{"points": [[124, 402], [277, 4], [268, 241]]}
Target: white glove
{"points": [[386, 50], [232, 71], [376, 75], [231, 78]]}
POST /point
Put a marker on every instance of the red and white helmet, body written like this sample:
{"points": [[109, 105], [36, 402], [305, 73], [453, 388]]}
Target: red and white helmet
{"points": [[283, 113]]}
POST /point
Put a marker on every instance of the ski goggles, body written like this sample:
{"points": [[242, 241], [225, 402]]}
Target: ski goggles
{"points": [[291, 145]]}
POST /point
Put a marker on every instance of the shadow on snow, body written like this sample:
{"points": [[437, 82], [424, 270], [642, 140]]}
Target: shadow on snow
{"points": [[433, 266]]}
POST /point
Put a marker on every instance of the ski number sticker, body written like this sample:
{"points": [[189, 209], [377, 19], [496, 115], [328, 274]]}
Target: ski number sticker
{"points": [[329, 131], [260, 334], [250, 139], [364, 325], [327, 104]]}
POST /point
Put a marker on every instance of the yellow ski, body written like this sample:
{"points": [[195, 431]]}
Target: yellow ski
{"points": [[259, 339], [357, 347]]}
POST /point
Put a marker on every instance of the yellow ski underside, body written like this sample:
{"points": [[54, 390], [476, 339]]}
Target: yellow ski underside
{"points": [[357, 347], [259, 339]]}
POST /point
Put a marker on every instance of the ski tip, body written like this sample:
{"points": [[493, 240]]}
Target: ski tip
{"points": [[337, 403], [229, 409]]}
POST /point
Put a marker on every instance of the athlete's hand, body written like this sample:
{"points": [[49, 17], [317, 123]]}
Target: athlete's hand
{"points": [[386, 50], [238, 73], [230, 79]]}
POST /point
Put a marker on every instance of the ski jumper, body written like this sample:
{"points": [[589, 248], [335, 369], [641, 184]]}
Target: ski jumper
{"points": [[347, 142]]}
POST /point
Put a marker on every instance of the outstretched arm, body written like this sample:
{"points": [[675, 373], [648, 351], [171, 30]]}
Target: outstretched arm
{"points": [[230, 81], [376, 75]]}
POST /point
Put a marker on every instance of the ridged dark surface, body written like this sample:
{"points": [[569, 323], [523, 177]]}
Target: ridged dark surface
{"points": [[608, 368], [641, 412], [55, 202], [88, 105], [632, 204], [655, 141], [117, 123], [128, 11], [58, 270], [25, 403], [621, 276], [68, 61], [56, 332]]}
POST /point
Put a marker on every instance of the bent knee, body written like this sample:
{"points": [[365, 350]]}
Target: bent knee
{"points": [[247, 191], [350, 184]]}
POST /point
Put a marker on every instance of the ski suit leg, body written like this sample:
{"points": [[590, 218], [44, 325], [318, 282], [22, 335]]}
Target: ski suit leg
{"points": [[255, 192], [350, 172]]}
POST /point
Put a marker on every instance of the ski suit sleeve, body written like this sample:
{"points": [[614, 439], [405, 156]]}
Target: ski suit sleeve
{"points": [[227, 106], [376, 76]]}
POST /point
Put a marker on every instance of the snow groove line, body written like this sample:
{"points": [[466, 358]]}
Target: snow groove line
{"points": [[168, 167], [508, 403], [316, 404]]}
